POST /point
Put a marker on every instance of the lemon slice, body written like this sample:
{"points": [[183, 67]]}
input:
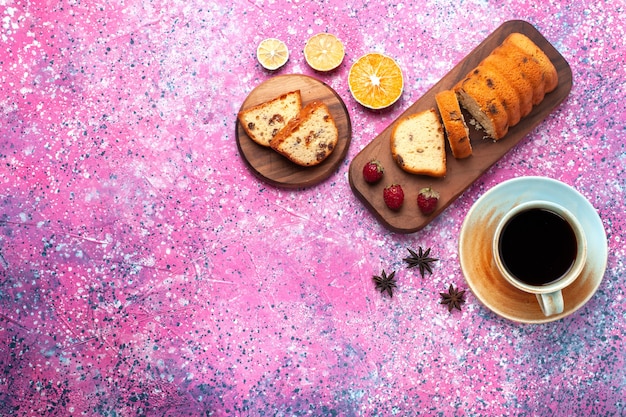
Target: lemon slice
{"points": [[272, 53], [375, 81], [324, 52]]}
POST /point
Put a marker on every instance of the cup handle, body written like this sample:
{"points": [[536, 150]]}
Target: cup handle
{"points": [[551, 303]]}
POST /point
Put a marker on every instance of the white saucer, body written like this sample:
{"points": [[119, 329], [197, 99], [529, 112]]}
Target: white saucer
{"points": [[475, 251]]}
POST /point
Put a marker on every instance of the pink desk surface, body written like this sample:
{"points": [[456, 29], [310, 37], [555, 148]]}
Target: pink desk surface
{"points": [[145, 271]]}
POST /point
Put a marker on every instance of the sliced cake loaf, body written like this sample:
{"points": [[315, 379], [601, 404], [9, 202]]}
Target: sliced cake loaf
{"points": [[310, 137], [454, 124], [418, 144], [506, 84], [263, 121]]}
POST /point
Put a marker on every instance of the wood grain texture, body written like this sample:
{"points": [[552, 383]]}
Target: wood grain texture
{"points": [[274, 168], [461, 173]]}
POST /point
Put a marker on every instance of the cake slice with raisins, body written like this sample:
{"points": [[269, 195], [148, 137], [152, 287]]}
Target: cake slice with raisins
{"points": [[310, 137], [263, 121], [418, 144]]}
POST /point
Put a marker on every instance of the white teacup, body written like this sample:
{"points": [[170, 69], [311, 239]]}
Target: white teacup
{"points": [[540, 248]]}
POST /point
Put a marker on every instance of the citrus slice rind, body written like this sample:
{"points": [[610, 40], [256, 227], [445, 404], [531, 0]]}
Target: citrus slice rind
{"points": [[375, 81], [324, 52], [272, 53]]}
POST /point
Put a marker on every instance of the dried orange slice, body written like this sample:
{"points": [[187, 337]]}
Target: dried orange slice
{"points": [[324, 52], [272, 53], [375, 81]]}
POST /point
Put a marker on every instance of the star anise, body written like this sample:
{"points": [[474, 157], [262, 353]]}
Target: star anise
{"points": [[385, 282], [420, 259], [453, 298]]}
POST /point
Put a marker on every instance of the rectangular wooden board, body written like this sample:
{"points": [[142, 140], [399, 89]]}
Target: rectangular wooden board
{"points": [[461, 173]]}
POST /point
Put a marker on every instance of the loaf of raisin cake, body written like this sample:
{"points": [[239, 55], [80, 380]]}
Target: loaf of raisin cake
{"points": [[502, 89]]}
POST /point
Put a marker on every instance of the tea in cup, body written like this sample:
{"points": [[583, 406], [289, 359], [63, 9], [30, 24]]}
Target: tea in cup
{"points": [[540, 247]]}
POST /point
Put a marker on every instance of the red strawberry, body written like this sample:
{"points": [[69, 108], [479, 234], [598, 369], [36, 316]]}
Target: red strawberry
{"points": [[393, 196], [373, 171], [427, 200]]}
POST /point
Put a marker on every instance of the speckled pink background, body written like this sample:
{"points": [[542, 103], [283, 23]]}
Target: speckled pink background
{"points": [[145, 271]]}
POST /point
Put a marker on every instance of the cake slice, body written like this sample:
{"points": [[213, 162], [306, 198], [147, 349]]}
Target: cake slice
{"points": [[263, 121], [310, 137], [418, 145], [454, 124]]}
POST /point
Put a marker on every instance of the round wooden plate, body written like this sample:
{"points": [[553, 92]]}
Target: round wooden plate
{"points": [[274, 168]]}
